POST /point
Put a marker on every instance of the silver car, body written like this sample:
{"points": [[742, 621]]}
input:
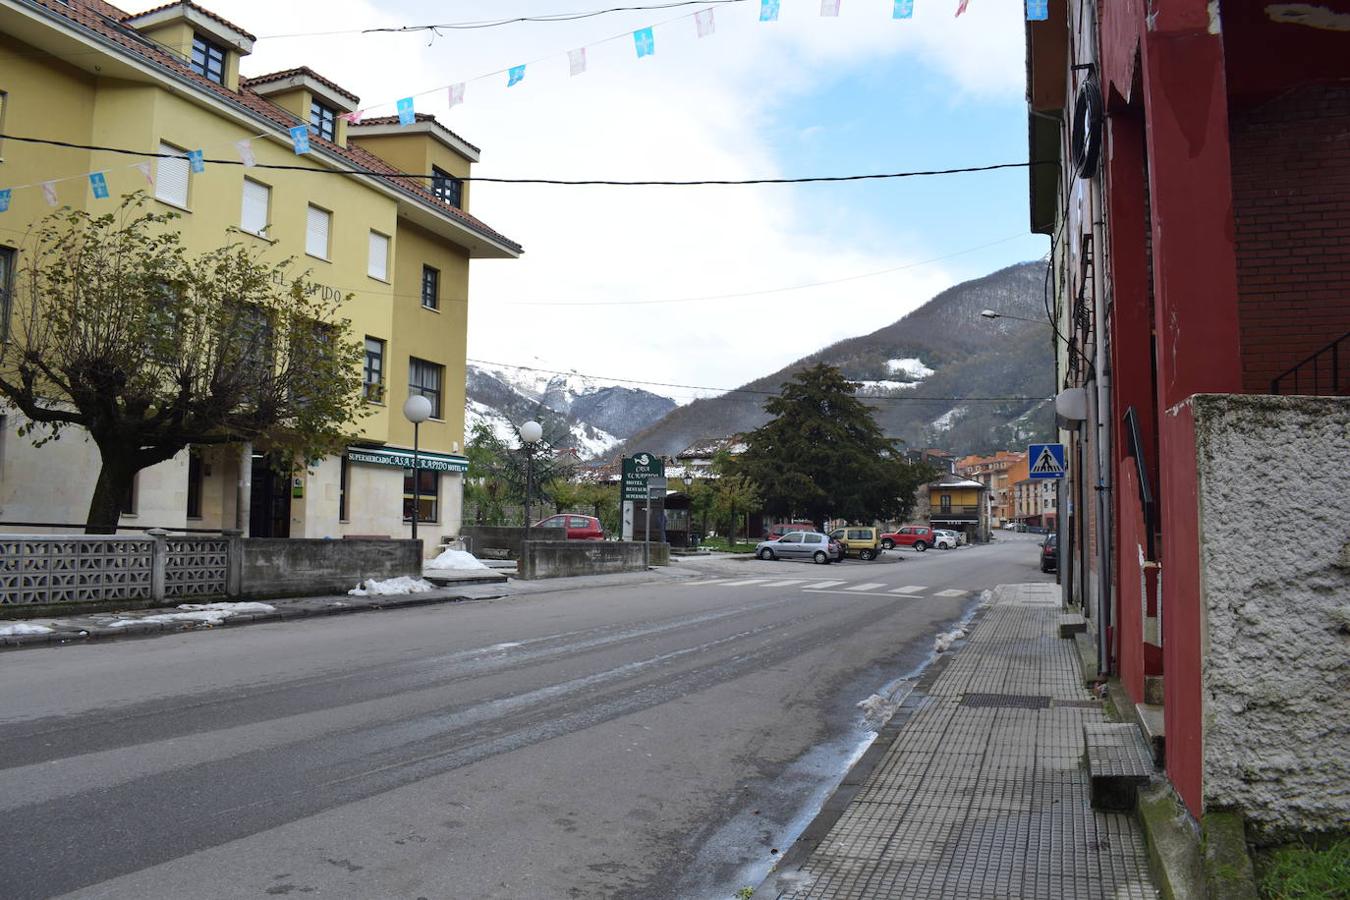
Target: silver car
{"points": [[810, 545]]}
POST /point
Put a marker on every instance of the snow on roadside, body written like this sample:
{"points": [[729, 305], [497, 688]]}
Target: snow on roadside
{"points": [[200, 613], [23, 628], [455, 559], [943, 641], [401, 585]]}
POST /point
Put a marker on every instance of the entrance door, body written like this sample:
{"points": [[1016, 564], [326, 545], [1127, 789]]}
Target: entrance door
{"points": [[270, 503]]}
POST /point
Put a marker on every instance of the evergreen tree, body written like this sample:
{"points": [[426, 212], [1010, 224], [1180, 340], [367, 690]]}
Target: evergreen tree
{"points": [[823, 456]]}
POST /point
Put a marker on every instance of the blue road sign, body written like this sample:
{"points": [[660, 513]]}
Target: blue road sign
{"points": [[1047, 460]]}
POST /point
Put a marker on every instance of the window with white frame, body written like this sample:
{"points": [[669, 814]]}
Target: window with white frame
{"points": [[378, 266], [318, 224], [322, 120], [426, 378], [171, 176], [257, 203]]}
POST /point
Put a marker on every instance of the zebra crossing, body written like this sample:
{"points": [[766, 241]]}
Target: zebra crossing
{"points": [[825, 586]]}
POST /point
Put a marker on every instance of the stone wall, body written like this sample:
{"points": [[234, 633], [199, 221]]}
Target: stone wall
{"points": [[1275, 583], [482, 539], [296, 567], [563, 559]]}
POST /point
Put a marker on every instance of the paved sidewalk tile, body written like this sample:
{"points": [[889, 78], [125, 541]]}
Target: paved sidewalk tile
{"points": [[983, 794]]}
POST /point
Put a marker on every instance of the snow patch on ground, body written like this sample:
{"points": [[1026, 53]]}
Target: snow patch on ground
{"points": [[943, 641], [878, 708], [200, 613], [912, 366], [946, 419], [869, 388], [401, 585], [476, 413], [455, 559], [23, 628]]}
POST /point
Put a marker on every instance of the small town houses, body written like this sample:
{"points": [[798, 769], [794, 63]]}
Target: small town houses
{"points": [[168, 81]]}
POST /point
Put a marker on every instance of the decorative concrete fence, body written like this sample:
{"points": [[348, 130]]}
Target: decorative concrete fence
{"points": [[49, 574], [562, 559]]}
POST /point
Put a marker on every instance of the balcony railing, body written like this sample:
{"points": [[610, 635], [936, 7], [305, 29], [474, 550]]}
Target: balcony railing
{"points": [[1321, 374]]}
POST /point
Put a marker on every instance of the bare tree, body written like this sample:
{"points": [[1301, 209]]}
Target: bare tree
{"points": [[118, 330]]}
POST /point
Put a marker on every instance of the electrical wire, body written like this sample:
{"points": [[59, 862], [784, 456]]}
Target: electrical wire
{"points": [[555, 17], [580, 182]]}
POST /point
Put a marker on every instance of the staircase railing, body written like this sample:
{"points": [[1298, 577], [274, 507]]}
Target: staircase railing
{"points": [[1321, 374]]}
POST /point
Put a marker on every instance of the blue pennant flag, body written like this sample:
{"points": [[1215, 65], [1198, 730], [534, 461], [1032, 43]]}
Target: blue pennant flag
{"points": [[645, 42], [768, 10], [100, 185], [515, 75], [1038, 10], [406, 114], [300, 138], [196, 161], [904, 9], [4, 200]]}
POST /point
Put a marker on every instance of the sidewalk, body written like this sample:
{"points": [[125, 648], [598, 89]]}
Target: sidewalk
{"points": [[983, 792]]}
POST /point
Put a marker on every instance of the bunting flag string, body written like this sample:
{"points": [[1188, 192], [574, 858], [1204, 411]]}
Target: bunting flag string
{"points": [[1038, 10], [4, 200], [99, 183], [644, 43], [146, 173]]}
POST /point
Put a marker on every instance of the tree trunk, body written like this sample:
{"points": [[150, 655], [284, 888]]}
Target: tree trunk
{"points": [[115, 478]]}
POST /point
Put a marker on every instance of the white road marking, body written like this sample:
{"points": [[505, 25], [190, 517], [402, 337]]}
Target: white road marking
{"points": [[866, 587], [911, 589], [823, 584], [951, 593], [744, 583], [788, 583], [702, 583]]}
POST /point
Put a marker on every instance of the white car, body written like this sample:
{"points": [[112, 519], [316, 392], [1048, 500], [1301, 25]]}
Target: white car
{"points": [[944, 539]]}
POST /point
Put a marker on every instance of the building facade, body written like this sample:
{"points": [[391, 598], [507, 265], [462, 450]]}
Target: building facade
{"points": [[992, 472], [168, 81]]}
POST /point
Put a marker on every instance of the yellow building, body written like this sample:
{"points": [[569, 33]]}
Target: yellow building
{"points": [[167, 81]]}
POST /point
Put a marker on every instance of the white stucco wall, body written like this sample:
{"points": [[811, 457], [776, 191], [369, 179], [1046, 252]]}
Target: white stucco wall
{"points": [[1275, 581]]}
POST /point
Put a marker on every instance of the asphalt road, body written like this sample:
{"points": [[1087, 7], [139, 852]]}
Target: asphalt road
{"points": [[649, 740]]}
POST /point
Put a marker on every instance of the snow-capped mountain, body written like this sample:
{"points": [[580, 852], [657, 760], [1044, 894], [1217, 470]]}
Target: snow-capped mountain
{"points": [[595, 416]]}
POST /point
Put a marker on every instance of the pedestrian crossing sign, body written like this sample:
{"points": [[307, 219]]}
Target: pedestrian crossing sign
{"points": [[1047, 460]]}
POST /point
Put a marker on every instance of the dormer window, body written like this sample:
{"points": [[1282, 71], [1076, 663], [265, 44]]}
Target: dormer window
{"points": [[323, 120], [208, 59], [447, 187]]}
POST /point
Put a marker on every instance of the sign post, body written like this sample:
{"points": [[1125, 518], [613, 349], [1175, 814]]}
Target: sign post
{"points": [[1046, 461], [638, 469], [656, 490]]}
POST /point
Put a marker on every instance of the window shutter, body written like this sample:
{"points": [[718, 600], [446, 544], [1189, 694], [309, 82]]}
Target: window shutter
{"points": [[379, 257], [171, 177], [254, 218], [316, 232]]}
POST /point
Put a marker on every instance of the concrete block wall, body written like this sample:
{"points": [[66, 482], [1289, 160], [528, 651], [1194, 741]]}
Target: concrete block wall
{"points": [[1275, 606], [296, 567], [562, 559]]}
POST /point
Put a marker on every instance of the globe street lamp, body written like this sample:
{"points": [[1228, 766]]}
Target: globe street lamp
{"points": [[416, 409], [530, 433]]}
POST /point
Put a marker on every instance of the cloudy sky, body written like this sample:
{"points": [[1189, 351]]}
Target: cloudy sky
{"points": [[700, 285]]}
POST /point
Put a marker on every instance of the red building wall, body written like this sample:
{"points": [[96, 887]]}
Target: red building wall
{"points": [[1291, 199]]}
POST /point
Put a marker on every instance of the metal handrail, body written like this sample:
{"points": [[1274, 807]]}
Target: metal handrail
{"points": [[1334, 348]]}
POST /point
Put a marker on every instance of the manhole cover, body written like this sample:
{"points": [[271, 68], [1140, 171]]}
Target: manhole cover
{"points": [[1013, 701]]}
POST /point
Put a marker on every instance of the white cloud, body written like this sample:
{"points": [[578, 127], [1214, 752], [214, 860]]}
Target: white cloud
{"points": [[699, 108]]}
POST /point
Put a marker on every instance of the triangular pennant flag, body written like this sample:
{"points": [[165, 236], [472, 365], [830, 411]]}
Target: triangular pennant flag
{"points": [[353, 117], [768, 10], [49, 192], [146, 173], [576, 61], [644, 41], [904, 9], [196, 161], [829, 8], [962, 7], [4, 200], [300, 139], [245, 150], [703, 21], [99, 182], [515, 75], [456, 94], [406, 114], [1038, 10]]}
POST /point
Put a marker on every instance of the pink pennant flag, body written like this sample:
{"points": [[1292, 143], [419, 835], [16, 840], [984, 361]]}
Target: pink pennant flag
{"points": [[49, 192], [245, 150], [704, 21], [456, 94], [962, 7], [576, 61], [353, 117], [829, 8], [144, 169]]}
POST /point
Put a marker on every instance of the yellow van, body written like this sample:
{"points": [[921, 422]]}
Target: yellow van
{"points": [[861, 541]]}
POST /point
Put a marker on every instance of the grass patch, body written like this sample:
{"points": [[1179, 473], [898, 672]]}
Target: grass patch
{"points": [[1302, 872], [721, 544]]}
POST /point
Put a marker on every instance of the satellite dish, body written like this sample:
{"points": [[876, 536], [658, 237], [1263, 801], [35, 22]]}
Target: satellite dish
{"points": [[1085, 143]]}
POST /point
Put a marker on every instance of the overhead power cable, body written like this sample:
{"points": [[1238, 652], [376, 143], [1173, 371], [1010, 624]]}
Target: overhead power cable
{"points": [[571, 182], [555, 17], [759, 393]]}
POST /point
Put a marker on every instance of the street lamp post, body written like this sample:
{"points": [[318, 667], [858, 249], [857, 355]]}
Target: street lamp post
{"points": [[416, 409], [530, 433], [689, 520], [994, 314]]}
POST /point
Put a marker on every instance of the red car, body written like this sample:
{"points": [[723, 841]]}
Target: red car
{"points": [[579, 528], [920, 537]]}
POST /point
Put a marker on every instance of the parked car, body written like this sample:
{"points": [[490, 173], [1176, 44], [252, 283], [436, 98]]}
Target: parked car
{"points": [[920, 537], [857, 540], [812, 545], [579, 528], [945, 539], [776, 531], [1050, 553]]}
